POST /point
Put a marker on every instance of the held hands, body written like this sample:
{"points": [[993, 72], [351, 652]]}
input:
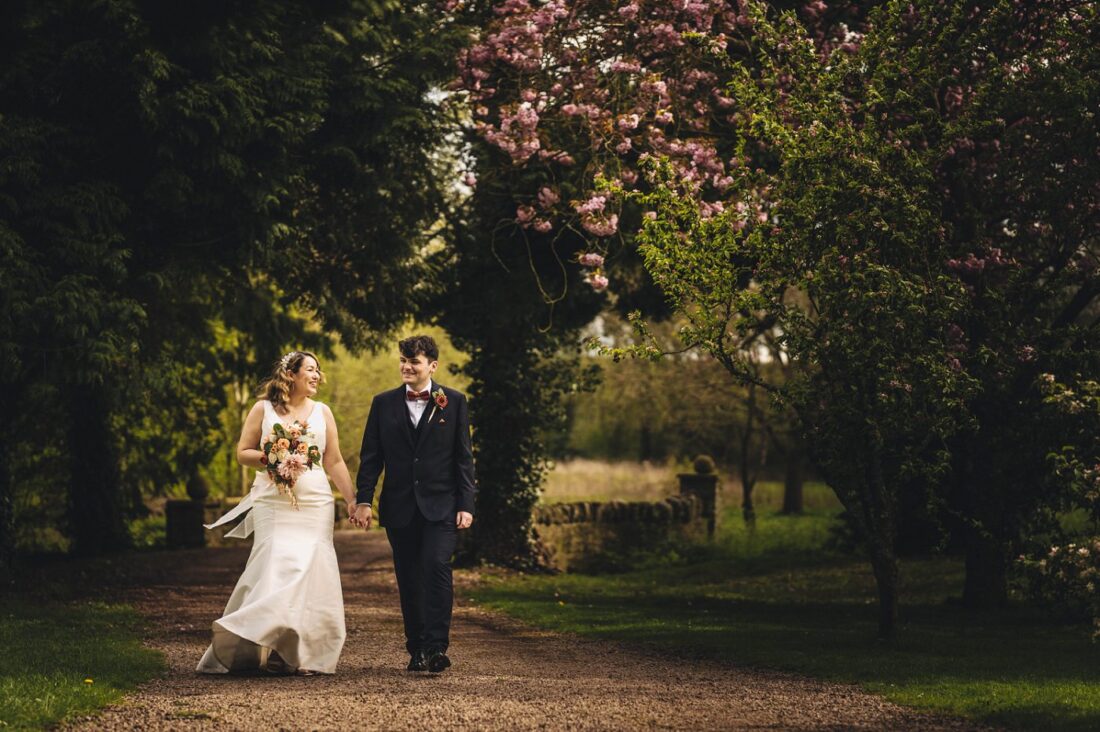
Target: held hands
{"points": [[361, 516]]}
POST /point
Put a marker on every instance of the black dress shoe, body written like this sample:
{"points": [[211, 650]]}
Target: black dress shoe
{"points": [[438, 661], [418, 662]]}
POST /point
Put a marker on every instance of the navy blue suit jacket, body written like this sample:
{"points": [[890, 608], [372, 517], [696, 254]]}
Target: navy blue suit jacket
{"points": [[430, 468]]}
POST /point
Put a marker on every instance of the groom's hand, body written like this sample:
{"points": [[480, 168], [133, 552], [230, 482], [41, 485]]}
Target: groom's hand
{"points": [[363, 515], [464, 519]]}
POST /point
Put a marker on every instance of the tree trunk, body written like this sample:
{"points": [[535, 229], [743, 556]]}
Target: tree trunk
{"points": [[885, 566], [7, 523], [792, 485], [96, 521], [986, 585], [509, 454], [748, 510], [880, 510]]}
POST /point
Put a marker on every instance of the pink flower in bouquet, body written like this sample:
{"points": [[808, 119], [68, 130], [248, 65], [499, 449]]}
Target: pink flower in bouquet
{"points": [[282, 444], [292, 468], [294, 433], [303, 448]]}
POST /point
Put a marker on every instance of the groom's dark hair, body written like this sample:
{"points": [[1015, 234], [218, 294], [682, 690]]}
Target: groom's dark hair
{"points": [[412, 347]]}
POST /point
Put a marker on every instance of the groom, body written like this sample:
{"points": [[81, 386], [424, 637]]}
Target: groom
{"points": [[419, 433]]}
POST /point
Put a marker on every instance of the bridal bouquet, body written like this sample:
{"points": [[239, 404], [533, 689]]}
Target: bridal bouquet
{"points": [[289, 452]]}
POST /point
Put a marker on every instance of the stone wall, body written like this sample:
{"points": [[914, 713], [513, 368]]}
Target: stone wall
{"points": [[586, 535], [589, 535]]}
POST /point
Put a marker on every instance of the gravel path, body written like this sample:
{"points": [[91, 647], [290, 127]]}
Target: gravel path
{"points": [[506, 676]]}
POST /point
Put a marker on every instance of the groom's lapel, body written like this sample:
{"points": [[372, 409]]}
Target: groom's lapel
{"points": [[402, 413]]}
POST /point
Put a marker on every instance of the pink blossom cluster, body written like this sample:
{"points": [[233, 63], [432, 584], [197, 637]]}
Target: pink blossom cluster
{"points": [[517, 134], [575, 108], [594, 217], [973, 265], [587, 89], [596, 279]]}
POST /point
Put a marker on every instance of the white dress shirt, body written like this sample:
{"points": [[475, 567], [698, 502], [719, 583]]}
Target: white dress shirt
{"points": [[416, 407]]}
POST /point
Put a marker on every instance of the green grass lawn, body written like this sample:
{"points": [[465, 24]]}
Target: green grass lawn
{"points": [[60, 659], [775, 597]]}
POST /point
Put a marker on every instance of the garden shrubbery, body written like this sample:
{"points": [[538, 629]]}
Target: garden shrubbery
{"points": [[1065, 580]]}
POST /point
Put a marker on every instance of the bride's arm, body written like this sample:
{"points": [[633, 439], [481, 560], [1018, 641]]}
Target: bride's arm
{"points": [[334, 462], [248, 451]]}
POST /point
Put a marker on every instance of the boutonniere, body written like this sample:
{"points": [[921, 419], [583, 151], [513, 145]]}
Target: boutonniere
{"points": [[440, 403]]}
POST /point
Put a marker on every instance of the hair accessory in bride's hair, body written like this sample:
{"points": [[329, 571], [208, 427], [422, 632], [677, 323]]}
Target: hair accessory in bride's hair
{"points": [[284, 362]]}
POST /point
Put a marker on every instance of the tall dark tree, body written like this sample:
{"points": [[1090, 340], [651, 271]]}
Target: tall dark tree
{"points": [[1016, 110], [158, 155], [515, 303]]}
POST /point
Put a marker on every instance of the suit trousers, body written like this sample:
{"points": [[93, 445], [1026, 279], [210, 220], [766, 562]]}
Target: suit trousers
{"points": [[422, 553]]}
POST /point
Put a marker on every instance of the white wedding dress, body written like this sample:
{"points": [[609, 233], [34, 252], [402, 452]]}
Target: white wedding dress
{"points": [[288, 598]]}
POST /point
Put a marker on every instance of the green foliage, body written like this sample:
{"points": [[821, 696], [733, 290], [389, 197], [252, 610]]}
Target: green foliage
{"points": [[149, 533], [64, 660], [166, 167], [673, 408], [503, 304], [1000, 93], [899, 224], [1065, 580], [842, 266]]}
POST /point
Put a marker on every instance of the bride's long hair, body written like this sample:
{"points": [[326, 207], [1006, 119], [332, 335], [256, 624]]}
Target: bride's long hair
{"points": [[276, 387]]}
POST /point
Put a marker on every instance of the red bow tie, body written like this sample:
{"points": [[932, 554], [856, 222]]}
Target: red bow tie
{"points": [[416, 396]]}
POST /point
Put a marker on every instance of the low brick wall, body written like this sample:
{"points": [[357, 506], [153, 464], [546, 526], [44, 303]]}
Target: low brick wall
{"points": [[592, 535]]}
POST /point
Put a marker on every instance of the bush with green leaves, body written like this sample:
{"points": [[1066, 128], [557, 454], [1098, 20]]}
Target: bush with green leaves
{"points": [[1066, 580], [161, 159]]}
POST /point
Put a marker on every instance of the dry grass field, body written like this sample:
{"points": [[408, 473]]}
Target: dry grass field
{"points": [[596, 480]]}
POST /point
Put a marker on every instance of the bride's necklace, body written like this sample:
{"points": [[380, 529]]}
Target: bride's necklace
{"points": [[291, 418]]}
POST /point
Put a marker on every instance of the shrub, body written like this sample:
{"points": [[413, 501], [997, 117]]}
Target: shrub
{"points": [[1066, 580], [149, 532]]}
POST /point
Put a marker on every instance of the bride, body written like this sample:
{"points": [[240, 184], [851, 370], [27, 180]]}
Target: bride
{"points": [[286, 614]]}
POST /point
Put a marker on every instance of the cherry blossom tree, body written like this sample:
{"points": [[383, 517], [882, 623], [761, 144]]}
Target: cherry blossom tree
{"points": [[912, 210], [563, 95]]}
